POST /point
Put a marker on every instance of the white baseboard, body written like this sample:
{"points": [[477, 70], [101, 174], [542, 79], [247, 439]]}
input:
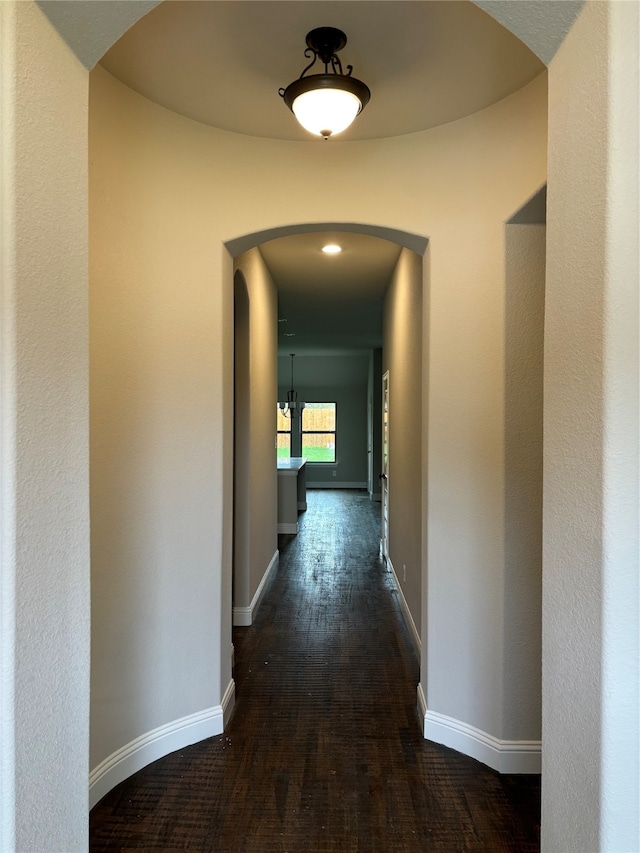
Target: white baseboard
{"points": [[505, 756], [244, 616], [340, 484], [155, 744], [422, 702], [408, 618], [288, 527], [228, 703], [375, 496]]}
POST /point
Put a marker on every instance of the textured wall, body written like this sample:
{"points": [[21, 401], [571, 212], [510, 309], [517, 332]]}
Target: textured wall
{"points": [[263, 510], [45, 544], [157, 321], [241, 442], [159, 221], [524, 341], [402, 357], [590, 552], [562, 811]]}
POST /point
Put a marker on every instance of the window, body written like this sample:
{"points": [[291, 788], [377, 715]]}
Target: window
{"points": [[319, 432], [284, 436]]}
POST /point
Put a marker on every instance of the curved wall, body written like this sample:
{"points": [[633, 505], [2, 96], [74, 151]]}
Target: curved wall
{"points": [[259, 386], [166, 194], [36, 813]]}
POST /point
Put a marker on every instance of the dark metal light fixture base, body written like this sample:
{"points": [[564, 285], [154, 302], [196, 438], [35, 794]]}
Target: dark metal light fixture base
{"points": [[323, 43]]}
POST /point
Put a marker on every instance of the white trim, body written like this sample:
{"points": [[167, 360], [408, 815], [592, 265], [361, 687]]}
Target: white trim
{"points": [[376, 497], [228, 703], [408, 618], [244, 616], [155, 744], [505, 756], [330, 484], [422, 702], [287, 527]]}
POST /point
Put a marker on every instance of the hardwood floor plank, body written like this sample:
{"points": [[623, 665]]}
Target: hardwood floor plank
{"points": [[324, 750]]}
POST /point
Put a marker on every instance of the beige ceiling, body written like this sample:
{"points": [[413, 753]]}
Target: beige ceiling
{"points": [[222, 63]]}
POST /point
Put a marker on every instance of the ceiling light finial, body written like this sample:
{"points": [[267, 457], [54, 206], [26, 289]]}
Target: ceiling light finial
{"points": [[326, 104]]}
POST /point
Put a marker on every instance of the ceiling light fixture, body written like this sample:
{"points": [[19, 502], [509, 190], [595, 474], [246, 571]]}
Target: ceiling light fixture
{"points": [[291, 408], [326, 104], [332, 249]]}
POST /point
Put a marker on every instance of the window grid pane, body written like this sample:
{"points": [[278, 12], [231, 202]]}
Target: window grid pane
{"points": [[319, 447], [284, 445], [319, 417], [319, 432]]}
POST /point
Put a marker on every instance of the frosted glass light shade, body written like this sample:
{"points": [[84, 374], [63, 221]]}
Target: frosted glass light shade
{"points": [[325, 112]]}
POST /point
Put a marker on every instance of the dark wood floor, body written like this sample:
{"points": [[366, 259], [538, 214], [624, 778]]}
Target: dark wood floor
{"points": [[324, 750]]}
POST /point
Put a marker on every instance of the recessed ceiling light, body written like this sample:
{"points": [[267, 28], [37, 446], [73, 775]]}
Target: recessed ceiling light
{"points": [[332, 249]]}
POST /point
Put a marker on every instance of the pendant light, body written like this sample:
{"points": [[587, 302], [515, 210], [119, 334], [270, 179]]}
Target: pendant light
{"points": [[291, 408], [326, 104]]}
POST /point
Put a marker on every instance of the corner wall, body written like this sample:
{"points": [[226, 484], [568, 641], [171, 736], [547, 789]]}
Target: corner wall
{"points": [[44, 615], [259, 434], [402, 357], [591, 666], [160, 326], [524, 345]]}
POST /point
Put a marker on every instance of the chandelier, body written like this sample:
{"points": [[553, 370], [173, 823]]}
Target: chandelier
{"points": [[291, 408], [327, 103]]}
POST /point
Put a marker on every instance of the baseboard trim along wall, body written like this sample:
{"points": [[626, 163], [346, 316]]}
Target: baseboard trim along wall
{"points": [[287, 527], [340, 484], [155, 744], [244, 616], [228, 703], [505, 756], [408, 618]]}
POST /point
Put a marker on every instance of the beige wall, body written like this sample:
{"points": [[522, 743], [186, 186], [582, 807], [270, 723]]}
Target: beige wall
{"points": [[166, 193], [524, 341], [241, 445], [157, 376], [259, 442], [44, 539], [599, 790], [402, 357], [590, 551]]}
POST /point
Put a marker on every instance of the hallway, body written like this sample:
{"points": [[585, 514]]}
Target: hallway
{"points": [[324, 750]]}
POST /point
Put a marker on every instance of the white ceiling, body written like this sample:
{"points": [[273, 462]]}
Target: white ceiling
{"points": [[427, 62], [222, 63], [329, 303]]}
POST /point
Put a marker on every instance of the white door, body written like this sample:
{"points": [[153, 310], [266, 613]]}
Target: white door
{"points": [[384, 476]]}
